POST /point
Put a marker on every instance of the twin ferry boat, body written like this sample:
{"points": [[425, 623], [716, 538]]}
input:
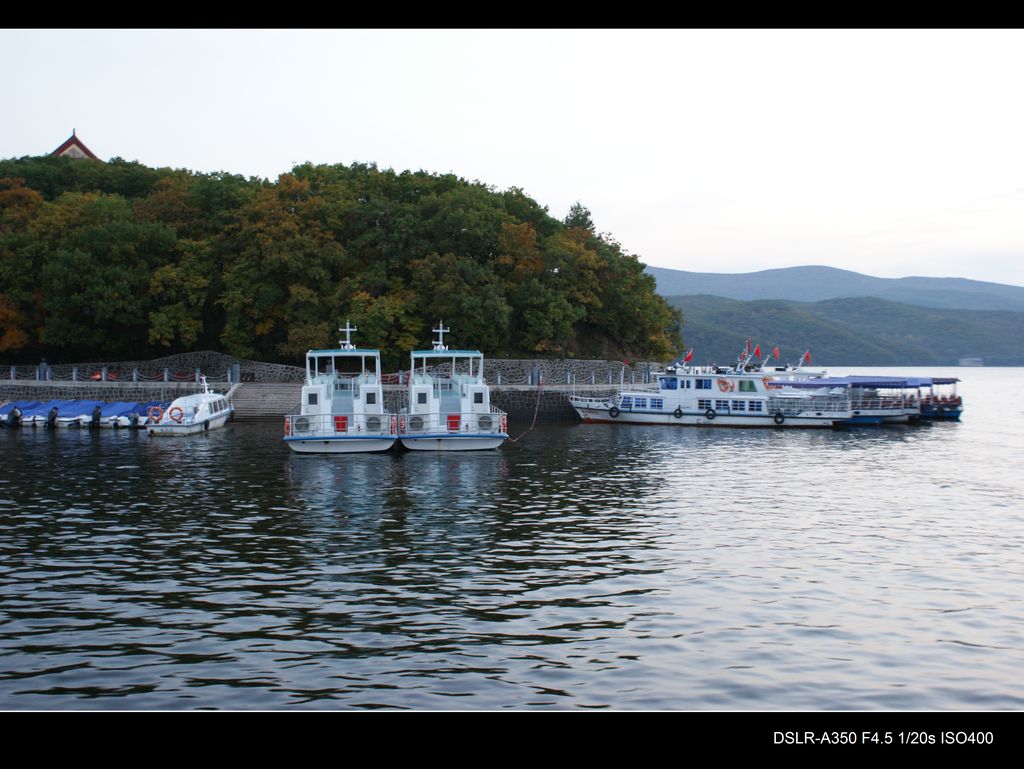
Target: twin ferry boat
{"points": [[754, 395], [342, 408]]}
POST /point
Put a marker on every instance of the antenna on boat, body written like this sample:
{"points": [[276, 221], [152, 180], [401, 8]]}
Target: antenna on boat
{"points": [[439, 342], [346, 343]]}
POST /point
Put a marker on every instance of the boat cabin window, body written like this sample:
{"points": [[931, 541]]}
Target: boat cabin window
{"points": [[657, 403], [478, 397], [721, 405], [739, 406], [371, 398], [747, 386], [668, 383], [312, 399], [703, 384], [639, 403], [421, 397], [627, 402], [755, 405]]}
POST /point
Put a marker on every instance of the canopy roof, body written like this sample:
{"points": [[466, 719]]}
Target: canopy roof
{"points": [[446, 353], [878, 382]]}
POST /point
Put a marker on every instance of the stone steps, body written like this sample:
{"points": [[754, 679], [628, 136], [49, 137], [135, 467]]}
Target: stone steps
{"points": [[265, 402]]}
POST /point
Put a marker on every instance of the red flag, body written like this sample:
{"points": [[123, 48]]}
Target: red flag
{"points": [[689, 356], [807, 357], [757, 351], [775, 352]]}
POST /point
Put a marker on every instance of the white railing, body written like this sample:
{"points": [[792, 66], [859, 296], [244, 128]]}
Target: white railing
{"points": [[795, 406], [493, 422], [338, 425]]}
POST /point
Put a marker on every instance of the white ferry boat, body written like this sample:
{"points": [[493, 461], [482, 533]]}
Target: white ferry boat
{"points": [[710, 396], [342, 407], [191, 414], [449, 406]]}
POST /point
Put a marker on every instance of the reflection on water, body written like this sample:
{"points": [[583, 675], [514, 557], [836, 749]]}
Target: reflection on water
{"points": [[587, 566]]}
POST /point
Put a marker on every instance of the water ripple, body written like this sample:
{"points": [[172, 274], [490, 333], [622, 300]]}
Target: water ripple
{"points": [[585, 567]]}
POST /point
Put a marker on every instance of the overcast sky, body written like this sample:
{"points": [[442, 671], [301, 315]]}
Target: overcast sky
{"points": [[886, 152]]}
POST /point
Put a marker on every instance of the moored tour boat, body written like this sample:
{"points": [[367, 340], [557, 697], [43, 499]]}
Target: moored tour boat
{"points": [[449, 406], [708, 396], [940, 400], [342, 407], [191, 414]]}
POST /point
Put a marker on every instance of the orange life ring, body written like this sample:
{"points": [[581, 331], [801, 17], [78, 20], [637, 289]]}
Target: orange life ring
{"points": [[181, 414], [155, 413], [725, 385]]}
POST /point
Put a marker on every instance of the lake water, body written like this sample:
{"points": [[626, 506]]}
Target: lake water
{"points": [[585, 566]]}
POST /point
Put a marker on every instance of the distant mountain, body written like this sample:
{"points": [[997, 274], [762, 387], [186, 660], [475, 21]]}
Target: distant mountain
{"points": [[850, 332], [816, 283]]}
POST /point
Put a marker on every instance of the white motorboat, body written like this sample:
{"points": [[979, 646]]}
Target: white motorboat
{"points": [[449, 405], [342, 407], [191, 414]]}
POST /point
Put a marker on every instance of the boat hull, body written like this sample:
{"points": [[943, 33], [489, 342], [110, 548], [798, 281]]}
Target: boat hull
{"points": [[699, 419], [214, 423], [442, 442], [339, 444]]}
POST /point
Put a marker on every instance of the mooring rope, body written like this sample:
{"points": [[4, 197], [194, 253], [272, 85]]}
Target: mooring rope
{"points": [[536, 410]]}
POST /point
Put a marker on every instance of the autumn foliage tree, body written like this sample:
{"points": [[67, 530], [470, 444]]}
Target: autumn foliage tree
{"points": [[119, 260]]}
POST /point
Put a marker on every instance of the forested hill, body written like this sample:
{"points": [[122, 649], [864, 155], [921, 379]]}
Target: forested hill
{"points": [[864, 331], [815, 283], [120, 261]]}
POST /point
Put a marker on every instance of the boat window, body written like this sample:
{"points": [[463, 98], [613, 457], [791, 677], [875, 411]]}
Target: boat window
{"points": [[639, 403], [721, 405], [747, 386], [371, 398], [478, 397], [703, 404], [668, 383], [421, 397], [755, 405], [312, 399], [685, 384], [739, 406], [657, 403], [703, 384], [627, 402]]}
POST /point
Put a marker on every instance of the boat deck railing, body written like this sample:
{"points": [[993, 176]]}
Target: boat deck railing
{"points": [[795, 406], [340, 425], [493, 422]]}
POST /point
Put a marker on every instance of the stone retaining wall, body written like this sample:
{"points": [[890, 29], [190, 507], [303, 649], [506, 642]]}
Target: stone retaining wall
{"points": [[215, 366]]}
